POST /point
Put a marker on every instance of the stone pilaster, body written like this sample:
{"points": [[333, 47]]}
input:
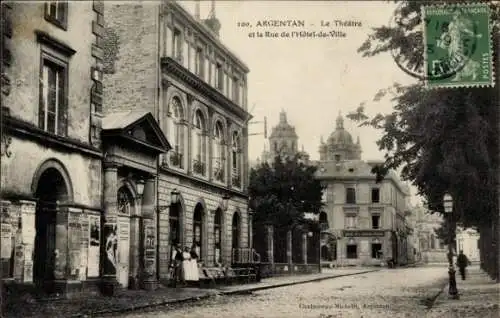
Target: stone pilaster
{"points": [[149, 237], [270, 243], [304, 248], [110, 238]]}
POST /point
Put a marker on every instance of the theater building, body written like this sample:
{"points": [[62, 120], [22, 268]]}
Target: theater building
{"points": [[176, 67], [363, 221]]}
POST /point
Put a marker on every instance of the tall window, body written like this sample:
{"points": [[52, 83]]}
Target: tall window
{"points": [[199, 60], [176, 132], [198, 229], [352, 250], [218, 152], [236, 89], [350, 197], [177, 44], [199, 143], [375, 195], [337, 157], [56, 12], [375, 221], [218, 236], [219, 73], [236, 159], [53, 101], [236, 230], [350, 221]]}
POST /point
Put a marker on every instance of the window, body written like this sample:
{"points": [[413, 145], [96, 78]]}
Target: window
{"points": [[218, 152], [376, 250], [236, 90], [337, 157], [176, 132], [177, 45], [433, 242], [198, 230], [375, 221], [200, 62], [350, 197], [53, 116], [218, 236], [56, 12], [199, 144], [352, 251], [219, 73], [236, 159], [350, 221], [236, 230], [375, 195]]}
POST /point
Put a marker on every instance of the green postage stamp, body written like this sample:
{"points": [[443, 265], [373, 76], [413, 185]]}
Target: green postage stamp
{"points": [[457, 46]]}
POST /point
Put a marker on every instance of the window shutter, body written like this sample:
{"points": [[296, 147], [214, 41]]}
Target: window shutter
{"points": [[62, 118]]}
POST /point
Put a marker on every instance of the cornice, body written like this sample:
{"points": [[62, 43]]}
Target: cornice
{"points": [[22, 129], [172, 67]]}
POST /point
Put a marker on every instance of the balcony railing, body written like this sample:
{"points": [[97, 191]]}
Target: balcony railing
{"points": [[176, 159], [199, 167], [236, 180]]}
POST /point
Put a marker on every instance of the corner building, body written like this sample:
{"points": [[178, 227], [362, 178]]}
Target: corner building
{"points": [[163, 60], [363, 222]]}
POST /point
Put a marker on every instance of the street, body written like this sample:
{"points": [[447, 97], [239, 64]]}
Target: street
{"points": [[387, 293]]}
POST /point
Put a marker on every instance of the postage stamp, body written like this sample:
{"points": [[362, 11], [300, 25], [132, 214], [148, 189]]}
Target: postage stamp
{"points": [[457, 46]]}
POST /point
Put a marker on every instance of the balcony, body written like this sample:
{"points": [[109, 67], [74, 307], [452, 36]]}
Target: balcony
{"points": [[236, 181], [175, 159], [199, 167], [219, 174]]}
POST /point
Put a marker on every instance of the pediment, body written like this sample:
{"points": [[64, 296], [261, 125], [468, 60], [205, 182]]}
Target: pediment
{"points": [[137, 127]]}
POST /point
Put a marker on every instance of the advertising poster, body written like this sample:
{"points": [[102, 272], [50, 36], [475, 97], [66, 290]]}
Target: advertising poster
{"points": [[94, 246]]}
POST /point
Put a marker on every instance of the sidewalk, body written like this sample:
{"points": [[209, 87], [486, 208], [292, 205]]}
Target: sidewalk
{"points": [[479, 297], [130, 300]]}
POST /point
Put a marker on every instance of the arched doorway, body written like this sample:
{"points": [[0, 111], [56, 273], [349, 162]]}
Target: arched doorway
{"points": [[198, 229], [51, 189], [126, 204], [236, 230], [218, 236]]}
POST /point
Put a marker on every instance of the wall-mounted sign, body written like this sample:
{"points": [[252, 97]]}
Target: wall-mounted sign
{"points": [[363, 233]]}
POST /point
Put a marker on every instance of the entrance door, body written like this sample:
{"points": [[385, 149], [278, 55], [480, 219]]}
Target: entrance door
{"points": [[122, 269]]}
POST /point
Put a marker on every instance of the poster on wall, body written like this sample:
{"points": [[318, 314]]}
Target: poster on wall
{"points": [[94, 246], [6, 238]]}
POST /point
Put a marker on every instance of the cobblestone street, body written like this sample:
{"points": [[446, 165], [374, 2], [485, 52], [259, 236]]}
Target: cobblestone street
{"points": [[387, 293]]}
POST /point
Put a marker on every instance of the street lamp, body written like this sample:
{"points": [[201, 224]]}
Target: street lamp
{"points": [[225, 202], [140, 187], [174, 196], [448, 210]]}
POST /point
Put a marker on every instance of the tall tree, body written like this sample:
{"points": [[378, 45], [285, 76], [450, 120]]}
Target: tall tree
{"points": [[444, 140]]}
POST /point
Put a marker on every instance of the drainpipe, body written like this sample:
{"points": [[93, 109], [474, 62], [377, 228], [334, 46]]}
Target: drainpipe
{"points": [[157, 115]]}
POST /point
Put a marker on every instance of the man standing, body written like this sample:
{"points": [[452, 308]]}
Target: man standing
{"points": [[462, 263]]}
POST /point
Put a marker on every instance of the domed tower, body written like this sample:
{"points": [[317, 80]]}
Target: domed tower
{"points": [[283, 139], [340, 145], [212, 22]]}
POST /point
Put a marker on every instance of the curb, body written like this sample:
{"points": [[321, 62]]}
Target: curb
{"points": [[259, 288], [208, 295]]}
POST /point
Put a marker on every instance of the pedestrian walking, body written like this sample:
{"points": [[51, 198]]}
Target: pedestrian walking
{"points": [[462, 263]]}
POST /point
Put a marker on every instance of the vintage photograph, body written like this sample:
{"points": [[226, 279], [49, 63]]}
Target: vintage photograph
{"points": [[251, 158]]}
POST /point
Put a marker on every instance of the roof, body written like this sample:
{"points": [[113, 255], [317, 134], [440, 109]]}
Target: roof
{"points": [[120, 120]]}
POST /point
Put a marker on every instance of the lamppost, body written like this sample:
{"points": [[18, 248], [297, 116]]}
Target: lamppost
{"points": [[448, 209]]}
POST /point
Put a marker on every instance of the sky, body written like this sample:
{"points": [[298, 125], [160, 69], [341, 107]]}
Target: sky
{"points": [[311, 79]]}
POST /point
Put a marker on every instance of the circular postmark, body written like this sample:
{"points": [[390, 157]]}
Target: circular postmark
{"points": [[441, 49]]}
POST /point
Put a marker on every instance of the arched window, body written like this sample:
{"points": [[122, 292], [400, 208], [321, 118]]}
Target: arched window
{"points": [[198, 229], [125, 201], [218, 236], [236, 160], [218, 152], [236, 230], [199, 143], [323, 221], [176, 132]]}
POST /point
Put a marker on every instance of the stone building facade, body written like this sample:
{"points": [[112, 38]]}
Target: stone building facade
{"points": [[365, 221], [430, 248], [177, 68], [51, 157]]}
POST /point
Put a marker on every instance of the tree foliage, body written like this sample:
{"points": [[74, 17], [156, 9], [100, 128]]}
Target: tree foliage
{"points": [[444, 140], [282, 192]]}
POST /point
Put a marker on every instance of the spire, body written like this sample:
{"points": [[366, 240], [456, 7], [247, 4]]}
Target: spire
{"points": [[282, 117], [212, 22], [302, 147], [340, 121], [211, 15], [197, 10], [321, 139]]}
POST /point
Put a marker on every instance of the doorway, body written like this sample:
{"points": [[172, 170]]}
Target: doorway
{"points": [[50, 190]]}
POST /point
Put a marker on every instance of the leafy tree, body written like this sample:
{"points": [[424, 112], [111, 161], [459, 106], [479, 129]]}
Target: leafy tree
{"points": [[281, 193], [444, 140]]}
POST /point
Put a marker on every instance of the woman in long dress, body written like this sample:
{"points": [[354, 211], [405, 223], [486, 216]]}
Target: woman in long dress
{"points": [[194, 264], [186, 264]]}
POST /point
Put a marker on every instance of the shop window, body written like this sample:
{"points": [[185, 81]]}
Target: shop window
{"points": [[352, 251]]}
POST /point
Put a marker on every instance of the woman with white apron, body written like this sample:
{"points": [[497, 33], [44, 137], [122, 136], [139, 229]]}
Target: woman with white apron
{"points": [[186, 264]]}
